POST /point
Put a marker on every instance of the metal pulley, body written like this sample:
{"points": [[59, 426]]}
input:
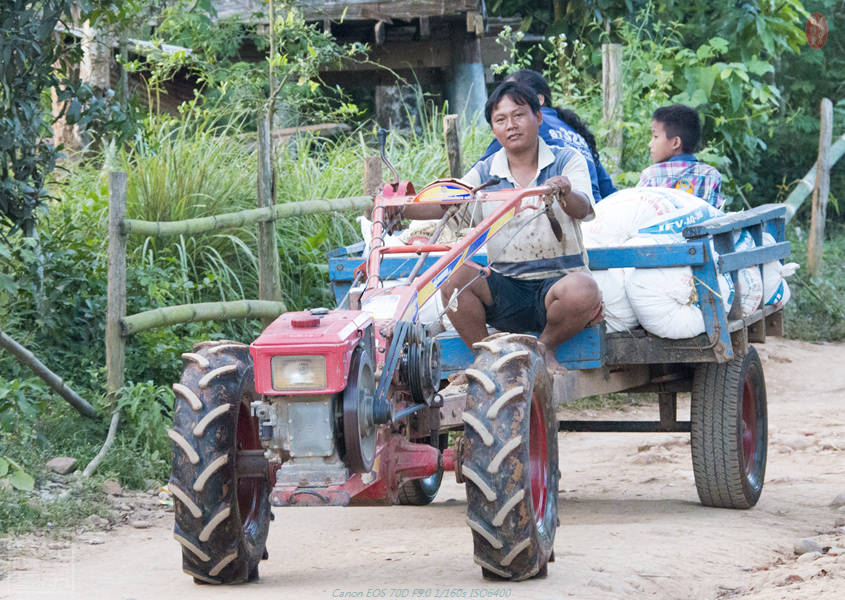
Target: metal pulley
{"points": [[421, 365]]}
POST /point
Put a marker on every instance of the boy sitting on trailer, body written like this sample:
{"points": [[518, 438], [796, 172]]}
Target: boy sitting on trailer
{"points": [[675, 133]]}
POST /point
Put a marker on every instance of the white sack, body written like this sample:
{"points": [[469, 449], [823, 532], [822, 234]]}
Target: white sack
{"points": [[775, 288], [618, 313], [665, 302]]}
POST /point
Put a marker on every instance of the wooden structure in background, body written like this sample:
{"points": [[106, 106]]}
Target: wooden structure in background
{"points": [[445, 47]]}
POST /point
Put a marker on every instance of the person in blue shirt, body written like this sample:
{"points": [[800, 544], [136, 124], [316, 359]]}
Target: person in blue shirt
{"points": [[562, 127]]}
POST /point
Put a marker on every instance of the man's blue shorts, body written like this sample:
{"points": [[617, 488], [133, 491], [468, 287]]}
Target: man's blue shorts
{"points": [[519, 305]]}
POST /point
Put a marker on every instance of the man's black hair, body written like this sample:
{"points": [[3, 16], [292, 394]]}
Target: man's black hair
{"points": [[537, 82], [517, 92], [682, 121]]}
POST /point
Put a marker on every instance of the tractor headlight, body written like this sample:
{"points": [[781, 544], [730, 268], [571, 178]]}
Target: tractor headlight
{"points": [[295, 373]]}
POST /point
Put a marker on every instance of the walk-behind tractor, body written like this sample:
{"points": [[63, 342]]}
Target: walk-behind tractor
{"points": [[352, 405]]}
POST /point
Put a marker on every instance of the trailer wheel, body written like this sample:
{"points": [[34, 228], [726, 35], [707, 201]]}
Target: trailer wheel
{"points": [[419, 492], [510, 459], [729, 431], [222, 520]]}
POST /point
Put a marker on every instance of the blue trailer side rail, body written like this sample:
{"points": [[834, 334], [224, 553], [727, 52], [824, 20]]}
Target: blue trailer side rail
{"points": [[593, 347]]}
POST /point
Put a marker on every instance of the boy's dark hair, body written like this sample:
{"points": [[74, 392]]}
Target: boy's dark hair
{"points": [[516, 92], [537, 82], [682, 121]]}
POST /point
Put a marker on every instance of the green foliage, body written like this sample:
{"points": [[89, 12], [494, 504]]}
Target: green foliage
{"points": [[730, 88], [28, 53], [815, 312], [14, 474]]}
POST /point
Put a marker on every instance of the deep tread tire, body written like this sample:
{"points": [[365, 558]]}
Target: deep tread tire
{"points": [[419, 492], [729, 431], [509, 401], [219, 543]]}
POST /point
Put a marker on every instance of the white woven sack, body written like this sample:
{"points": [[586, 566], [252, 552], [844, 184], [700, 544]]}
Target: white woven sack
{"points": [[775, 288], [665, 302], [618, 313], [620, 215], [749, 279]]}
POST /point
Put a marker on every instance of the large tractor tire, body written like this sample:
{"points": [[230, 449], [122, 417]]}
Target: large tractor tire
{"points": [[419, 492], [221, 520], [729, 431], [510, 458]]}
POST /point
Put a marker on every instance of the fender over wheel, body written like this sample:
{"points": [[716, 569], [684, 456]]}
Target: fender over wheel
{"points": [[222, 520], [729, 431], [510, 458]]}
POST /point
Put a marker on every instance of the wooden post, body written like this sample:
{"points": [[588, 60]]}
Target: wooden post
{"points": [[116, 295], [611, 75], [269, 287], [115, 306], [372, 175], [821, 190], [453, 145]]}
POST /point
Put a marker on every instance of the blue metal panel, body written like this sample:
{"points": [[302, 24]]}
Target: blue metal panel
{"points": [[666, 255], [584, 351], [341, 268]]}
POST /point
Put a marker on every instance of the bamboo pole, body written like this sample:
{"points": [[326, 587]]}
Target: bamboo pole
{"points": [[821, 191], [244, 217], [115, 306], [204, 311], [453, 145], [808, 183], [611, 71], [56, 383]]}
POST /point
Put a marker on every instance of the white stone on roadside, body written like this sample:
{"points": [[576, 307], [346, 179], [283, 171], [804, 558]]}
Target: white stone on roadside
{"points": [[809, 557], [806, 546], [140, 524], [62, 464], [836, 551], [839, 501]]}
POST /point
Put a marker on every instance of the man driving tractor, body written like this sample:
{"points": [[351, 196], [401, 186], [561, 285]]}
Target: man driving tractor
{"points": [[538, 281]]}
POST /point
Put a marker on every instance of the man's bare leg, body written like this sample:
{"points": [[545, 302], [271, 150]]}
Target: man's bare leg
{"points": [[571, 303], [469, 318]]}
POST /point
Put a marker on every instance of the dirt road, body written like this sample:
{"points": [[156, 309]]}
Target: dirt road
{"points": [[631, 525]]}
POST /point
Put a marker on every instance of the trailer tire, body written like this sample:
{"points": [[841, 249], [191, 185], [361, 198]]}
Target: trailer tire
{"points": [[419, 492], [729, 431], [221, 521], [510, 458]]}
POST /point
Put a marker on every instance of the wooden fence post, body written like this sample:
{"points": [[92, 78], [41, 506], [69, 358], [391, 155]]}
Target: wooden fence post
{"points": [[115, 306], [453, 145], [372, 175], [611, 75], [821, 190], [269, 287], [116, 295]]}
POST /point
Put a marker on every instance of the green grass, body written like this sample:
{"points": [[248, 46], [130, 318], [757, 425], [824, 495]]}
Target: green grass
{"points": [[815, 312]]}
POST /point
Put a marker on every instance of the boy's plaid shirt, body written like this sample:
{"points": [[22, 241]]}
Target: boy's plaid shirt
{"points": [[686, 174]]}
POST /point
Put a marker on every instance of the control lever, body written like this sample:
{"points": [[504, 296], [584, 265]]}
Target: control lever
{"points": [[382, 141]]}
